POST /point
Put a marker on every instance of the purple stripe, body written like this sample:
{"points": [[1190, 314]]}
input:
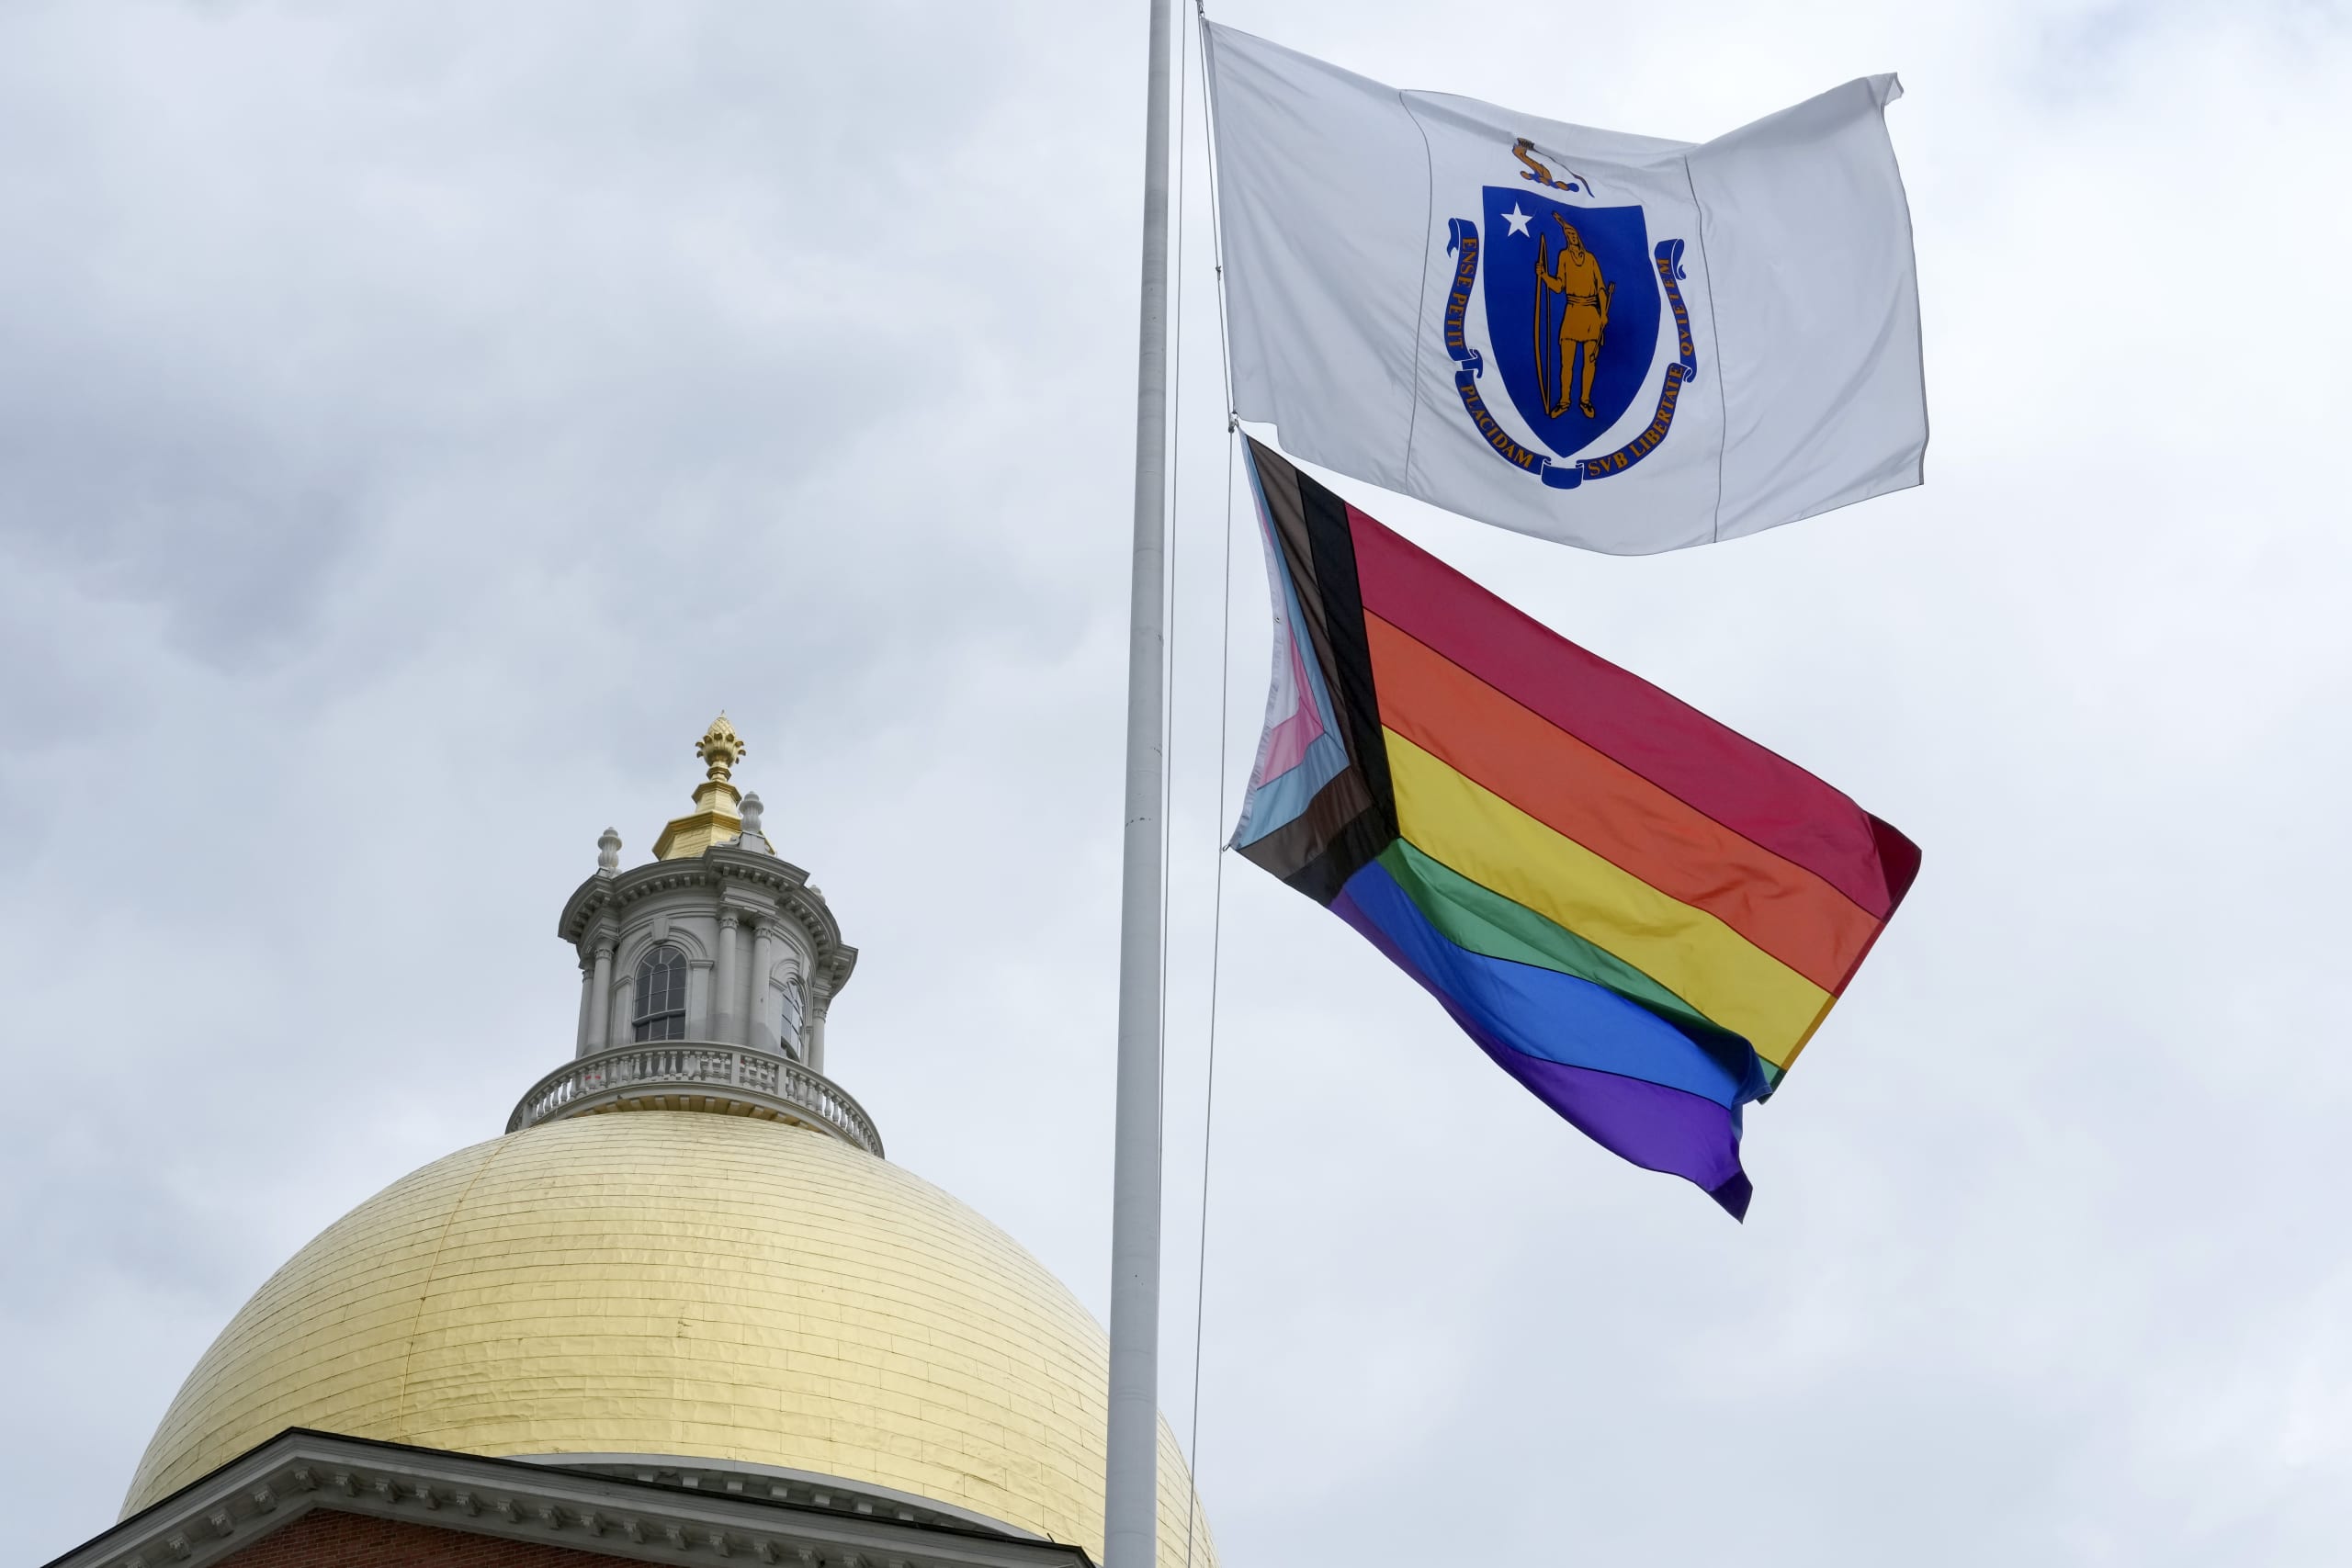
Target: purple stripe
{"points": [[1655, 1127]]}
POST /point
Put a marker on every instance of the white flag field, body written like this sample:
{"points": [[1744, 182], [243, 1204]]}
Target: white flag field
{"points": [[1616, 342]]}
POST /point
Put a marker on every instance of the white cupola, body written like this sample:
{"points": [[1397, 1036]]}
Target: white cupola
{"points": [[706, 976]]}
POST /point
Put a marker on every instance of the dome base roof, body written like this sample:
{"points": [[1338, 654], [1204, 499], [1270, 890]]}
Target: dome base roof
{"points": [[688, 1288]]}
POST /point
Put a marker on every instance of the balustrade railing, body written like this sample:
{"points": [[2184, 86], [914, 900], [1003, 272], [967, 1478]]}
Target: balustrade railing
{"points": [[757, 1078]]}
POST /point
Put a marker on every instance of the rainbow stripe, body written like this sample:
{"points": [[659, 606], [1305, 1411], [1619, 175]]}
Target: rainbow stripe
{"points": [[1638, 913]]}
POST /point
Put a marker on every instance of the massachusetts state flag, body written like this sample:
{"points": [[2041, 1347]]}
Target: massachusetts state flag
{"points": [[1613, 340], [1638, 913]]}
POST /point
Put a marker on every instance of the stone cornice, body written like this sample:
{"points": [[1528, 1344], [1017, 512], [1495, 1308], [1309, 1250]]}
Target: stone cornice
{"points": [[298, 1470], [726, 871], [785, 1485]]}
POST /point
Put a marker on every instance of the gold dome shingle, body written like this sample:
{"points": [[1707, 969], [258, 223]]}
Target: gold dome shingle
{"points": [[668, 1284]]}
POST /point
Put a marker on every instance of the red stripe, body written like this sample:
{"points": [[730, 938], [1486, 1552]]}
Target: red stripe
{"points": [[1602, 805], [1759, 796]]}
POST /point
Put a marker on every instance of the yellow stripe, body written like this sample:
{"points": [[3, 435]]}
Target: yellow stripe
{"points": [[1688, 950]]}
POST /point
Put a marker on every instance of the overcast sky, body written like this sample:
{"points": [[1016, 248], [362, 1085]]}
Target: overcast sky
{"points": [[417, 420]]}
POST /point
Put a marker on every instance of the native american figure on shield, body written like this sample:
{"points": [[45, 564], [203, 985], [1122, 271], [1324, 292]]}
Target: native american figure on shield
{"points": [[1584, 317]]}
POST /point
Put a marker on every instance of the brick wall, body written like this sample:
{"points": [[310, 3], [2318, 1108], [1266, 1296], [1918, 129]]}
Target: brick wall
{"points": [[322, 1538]]}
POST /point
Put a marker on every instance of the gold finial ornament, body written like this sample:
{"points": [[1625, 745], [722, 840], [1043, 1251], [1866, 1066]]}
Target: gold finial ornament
{"points": [[717, 817], [721, 747]]}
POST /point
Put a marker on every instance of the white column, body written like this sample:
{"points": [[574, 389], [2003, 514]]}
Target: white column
{"points": [[600, 992], [726, 1026], [699, 1003], [587, 991], [624, 1029], [757, 1033], [812, 1029]]}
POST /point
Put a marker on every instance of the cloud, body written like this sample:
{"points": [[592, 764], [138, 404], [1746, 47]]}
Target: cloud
{"points": [[414, 423]]}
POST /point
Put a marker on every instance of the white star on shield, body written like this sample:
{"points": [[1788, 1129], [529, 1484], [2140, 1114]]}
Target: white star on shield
{"points": [[1517, 220]]}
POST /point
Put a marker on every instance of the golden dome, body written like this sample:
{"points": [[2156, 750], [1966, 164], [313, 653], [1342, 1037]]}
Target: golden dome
{"points": [[679, 1284]]}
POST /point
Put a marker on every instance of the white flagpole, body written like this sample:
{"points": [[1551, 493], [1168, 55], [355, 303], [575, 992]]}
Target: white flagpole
{"points": [[1131, 1469]]}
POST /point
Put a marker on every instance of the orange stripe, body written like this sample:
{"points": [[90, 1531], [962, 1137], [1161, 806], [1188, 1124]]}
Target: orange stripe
{"points": [[1450, 713]]}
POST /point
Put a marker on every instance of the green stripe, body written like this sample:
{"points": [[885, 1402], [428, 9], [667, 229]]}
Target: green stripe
{"points": [[1471, 914]]}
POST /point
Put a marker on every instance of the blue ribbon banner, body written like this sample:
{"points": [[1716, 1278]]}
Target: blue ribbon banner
{"points": [[1461, 242]]}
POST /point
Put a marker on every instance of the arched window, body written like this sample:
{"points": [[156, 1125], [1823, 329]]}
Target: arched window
{"points": [[660, 995], [789, 1020]]}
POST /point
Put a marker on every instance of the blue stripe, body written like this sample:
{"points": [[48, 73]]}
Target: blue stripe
{"points": [[1545, 1014], [1278, 801]]}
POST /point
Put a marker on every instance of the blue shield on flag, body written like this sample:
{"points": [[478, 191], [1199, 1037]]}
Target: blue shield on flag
{"points": [[1572, 312]]}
